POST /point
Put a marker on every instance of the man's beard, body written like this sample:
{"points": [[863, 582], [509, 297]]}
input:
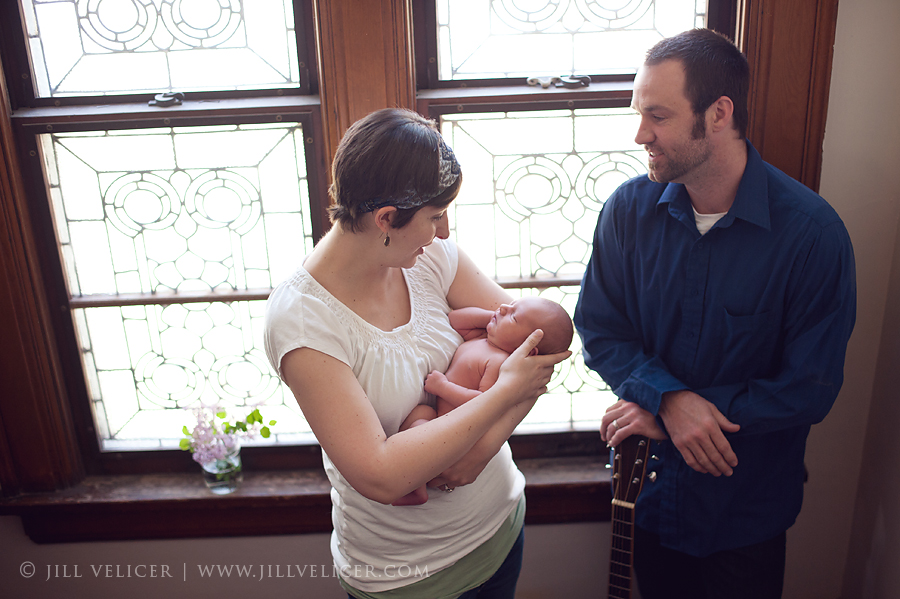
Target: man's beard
{"points": [[691, 155]]}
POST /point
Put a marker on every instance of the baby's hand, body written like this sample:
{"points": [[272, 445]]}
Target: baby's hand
{"points": [[434, 382]]}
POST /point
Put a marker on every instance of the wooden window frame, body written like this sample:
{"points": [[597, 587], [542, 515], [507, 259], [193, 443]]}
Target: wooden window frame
{"points": [[365, 62]]}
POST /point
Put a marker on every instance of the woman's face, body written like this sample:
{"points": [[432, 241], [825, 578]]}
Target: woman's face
{"points": [[428, 223]]}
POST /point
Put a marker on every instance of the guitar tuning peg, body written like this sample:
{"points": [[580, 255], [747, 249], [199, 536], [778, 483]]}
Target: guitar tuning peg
{"points": [[607, 466], [636, 481], [654, 457], [652, 477], [638, 461]]}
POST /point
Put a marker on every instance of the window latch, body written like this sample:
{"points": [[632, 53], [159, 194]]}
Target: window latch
{"points": [[568, 81], [167, 99]]}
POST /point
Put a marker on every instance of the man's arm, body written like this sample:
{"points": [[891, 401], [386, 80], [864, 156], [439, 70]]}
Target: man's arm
{"points": [[614, 349], [611, 340]]}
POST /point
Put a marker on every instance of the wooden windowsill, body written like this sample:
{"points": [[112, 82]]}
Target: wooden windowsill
{"points": [[168, 506]]}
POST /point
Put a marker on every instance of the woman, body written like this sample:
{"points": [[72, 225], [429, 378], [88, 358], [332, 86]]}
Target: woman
{"points": [[355, 332]]}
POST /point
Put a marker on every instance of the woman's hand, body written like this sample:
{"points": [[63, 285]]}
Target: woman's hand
{"points": [[527, 376], [465, 471], [524, 375]]}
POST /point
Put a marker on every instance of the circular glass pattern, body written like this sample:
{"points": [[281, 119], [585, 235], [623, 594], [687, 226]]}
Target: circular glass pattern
{"points": [[118, 24], [600, 177], [532, 185], [168, 382], [222, 198], [139, 201], [613, 14], [201, 23], [530, 15]]}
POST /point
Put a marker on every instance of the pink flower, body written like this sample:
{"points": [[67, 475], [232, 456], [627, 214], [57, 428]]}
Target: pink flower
{"points": [[213, 438]]}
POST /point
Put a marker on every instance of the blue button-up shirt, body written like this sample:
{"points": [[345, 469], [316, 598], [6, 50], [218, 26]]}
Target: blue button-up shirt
{"points": [[754, 316]]}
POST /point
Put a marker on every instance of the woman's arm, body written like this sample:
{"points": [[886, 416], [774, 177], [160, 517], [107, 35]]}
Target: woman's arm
{"points": [[385, 468], [471, 287]]}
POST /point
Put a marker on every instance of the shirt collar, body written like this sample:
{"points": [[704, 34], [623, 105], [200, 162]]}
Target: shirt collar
{"points": [[751, 203]]}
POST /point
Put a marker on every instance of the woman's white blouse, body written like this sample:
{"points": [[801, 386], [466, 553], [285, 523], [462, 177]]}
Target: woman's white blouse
{"points": [[379, 547]]}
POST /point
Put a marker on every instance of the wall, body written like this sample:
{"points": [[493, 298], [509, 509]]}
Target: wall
{"points": [[566, 560], [863, 146], [859, 178]]}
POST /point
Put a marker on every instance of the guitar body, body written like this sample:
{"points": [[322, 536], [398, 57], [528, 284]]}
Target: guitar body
{"points": [[629, 466]]}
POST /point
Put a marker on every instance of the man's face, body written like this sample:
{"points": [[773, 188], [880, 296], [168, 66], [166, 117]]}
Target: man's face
{"points": [[674, 137]]}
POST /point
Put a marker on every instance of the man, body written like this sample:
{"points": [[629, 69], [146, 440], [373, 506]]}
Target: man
{"points": [[717, 304]]}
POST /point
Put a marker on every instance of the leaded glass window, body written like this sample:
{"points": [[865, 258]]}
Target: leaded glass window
{"points": [[540, 162], [485, 39], [534, 186], [175, 220], [90, 47], [173, 216]]}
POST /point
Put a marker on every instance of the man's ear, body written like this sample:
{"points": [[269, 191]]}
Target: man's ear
{"points": [[384, 218], [722, 113]]}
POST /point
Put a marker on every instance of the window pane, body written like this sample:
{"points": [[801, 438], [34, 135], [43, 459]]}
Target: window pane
{"points": [[97, 47], [534, 186], [203, 209], [144, 364], [187, 209], [483, 39], [576, 396], [535, 183]]}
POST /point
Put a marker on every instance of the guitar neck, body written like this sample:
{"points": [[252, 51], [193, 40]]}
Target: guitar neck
{"points": [[620, 558], [629, 466]]}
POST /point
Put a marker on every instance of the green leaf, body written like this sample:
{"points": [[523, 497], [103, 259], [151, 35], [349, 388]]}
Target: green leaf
{"points": [[185, 430], [242, 426], [264, 431], [273, 422], [221, 414], [184, 444]]}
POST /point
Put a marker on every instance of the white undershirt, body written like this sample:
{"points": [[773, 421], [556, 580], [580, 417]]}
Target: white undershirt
{"points": [[705, 222]]}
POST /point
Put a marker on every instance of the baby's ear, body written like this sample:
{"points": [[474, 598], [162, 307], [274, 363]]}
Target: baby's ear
{"points": [[534, 352]]}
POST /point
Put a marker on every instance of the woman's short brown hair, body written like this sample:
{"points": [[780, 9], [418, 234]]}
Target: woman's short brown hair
{"points": [[387, 157]]}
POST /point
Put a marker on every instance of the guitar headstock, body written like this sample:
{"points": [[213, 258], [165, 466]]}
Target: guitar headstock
{"points": [[629, 465]]}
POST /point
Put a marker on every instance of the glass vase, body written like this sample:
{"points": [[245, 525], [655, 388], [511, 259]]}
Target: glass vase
{"points": [[224, 476]]}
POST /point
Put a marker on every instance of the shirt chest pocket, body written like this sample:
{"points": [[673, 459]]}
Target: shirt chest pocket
{"points": [[748, 343]]}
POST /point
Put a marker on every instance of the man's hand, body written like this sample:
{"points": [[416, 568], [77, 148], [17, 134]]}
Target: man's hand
{"points": [[696, 427], [625, 418]]}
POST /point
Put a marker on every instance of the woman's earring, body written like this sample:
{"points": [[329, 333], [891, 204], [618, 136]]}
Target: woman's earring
{"points": [[387, 240]]}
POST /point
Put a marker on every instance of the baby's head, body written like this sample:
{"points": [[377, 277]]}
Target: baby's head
{"points": [[513, 323]]}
